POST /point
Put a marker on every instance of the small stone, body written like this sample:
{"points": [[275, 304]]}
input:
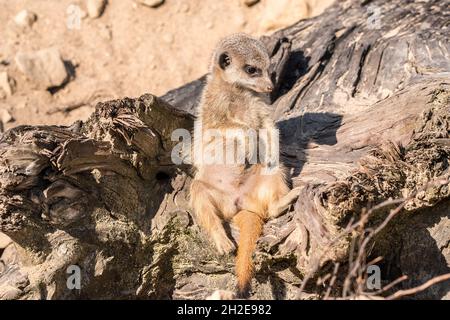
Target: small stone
{"points": [[17, 280], [185, 8], [10, 254], [250, 3], [95, 8], [168, 38], [25, 18], [5, 117], [222, 295], [8, 292], [105, 32], [4, 241], [7, 84], [45, 67], [101, 264], [151, 3], [83, 14]]}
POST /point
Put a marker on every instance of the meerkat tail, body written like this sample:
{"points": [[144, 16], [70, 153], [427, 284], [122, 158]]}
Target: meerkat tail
{"points": [[250, 227]]}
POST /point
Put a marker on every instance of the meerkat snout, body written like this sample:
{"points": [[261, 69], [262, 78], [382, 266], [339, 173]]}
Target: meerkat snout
{"points": [[244, 62], [269, 88]]}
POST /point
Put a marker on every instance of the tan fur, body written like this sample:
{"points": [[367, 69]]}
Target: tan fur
{"points": [[239, 193]]}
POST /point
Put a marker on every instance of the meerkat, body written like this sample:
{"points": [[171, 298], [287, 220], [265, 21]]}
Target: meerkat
{"points": [[244, 194]]}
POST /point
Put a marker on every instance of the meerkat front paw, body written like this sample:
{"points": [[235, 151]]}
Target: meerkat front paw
{"points": [[276, 209], [223, 244]]}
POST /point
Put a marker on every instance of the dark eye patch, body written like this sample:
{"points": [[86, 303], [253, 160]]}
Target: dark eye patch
{"points": [[251, 70]]}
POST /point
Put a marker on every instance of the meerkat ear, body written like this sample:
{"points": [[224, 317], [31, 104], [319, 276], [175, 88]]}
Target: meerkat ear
{"points": [[224, 60]]}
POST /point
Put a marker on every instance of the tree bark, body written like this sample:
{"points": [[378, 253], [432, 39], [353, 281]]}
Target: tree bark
{"points": [[362, 102]]}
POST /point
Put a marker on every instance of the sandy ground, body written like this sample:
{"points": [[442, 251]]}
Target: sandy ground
{"points": [[129, 50]]}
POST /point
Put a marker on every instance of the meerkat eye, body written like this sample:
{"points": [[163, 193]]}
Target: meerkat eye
{"points": [[251, 70]]}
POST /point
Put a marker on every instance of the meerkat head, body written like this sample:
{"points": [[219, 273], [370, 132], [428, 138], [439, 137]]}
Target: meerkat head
{"points": [[242, 61]]}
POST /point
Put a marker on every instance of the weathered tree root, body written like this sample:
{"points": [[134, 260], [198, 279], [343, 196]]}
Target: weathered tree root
{"points": [[364, 117]]}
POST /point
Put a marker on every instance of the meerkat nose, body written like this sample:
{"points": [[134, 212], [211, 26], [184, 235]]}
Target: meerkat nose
{"points": [[269, 88]]}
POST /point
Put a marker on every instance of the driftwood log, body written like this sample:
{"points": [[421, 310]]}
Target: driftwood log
{"points": [[363, 106]]}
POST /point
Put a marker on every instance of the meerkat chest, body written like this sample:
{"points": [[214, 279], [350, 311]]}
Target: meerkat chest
{"points": [[247, 114]]}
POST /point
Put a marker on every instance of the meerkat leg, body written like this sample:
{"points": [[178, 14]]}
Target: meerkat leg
{"points": [[264, 197], [280, 206], [266, 194], [207, 215]]}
